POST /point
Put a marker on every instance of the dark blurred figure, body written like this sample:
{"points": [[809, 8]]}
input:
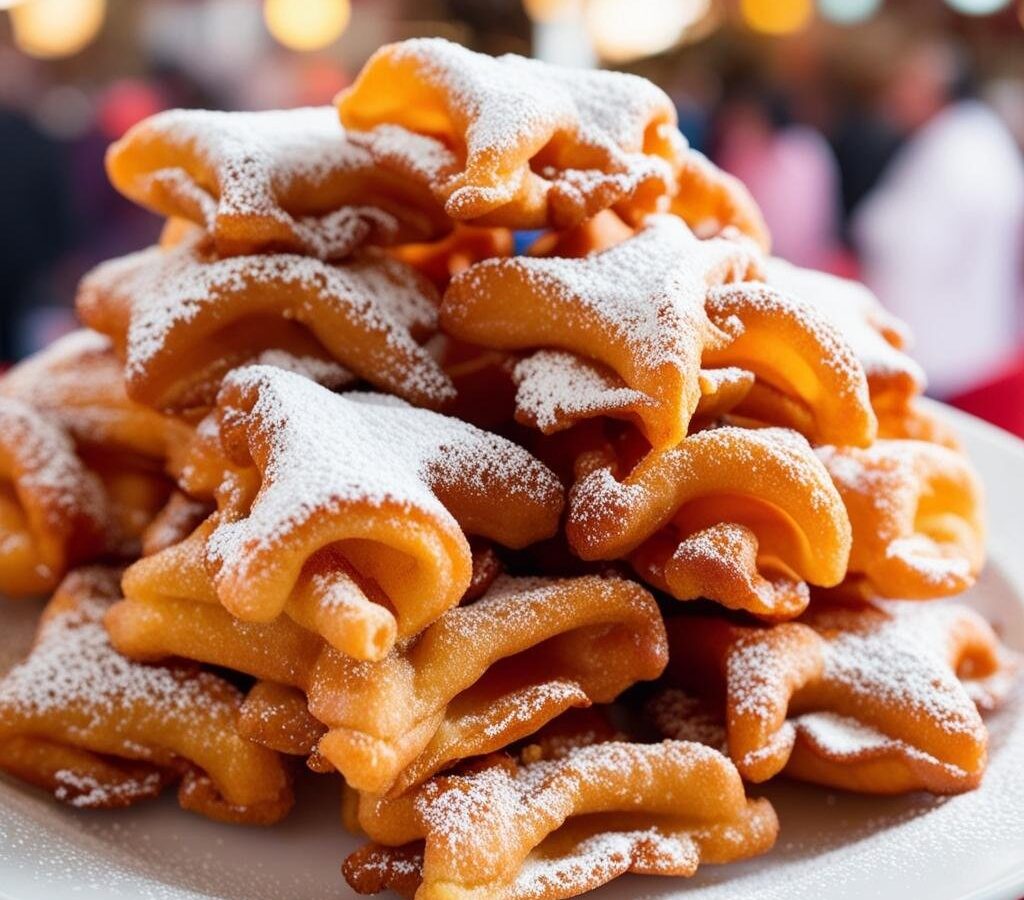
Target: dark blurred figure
{"points": [[34, 219], [864, 143], [941, 236]]}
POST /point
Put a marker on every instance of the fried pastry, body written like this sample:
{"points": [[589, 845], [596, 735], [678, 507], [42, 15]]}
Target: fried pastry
{"points": [[181, 319], [283, 181], [537, 145], [479, 678], [559, 828], [77, 381], [876, 336], [637, 308], [711, 201], [744, 517], [879, 698], [349, 512], [54, 511], [441, 260], [98, 730], [916, 513]]}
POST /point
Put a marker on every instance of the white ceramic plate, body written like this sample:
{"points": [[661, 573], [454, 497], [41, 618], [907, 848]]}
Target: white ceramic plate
{"points": [[834, 846]]}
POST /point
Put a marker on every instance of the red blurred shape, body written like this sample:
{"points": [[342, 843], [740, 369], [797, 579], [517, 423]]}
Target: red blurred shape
{"points": [[126, 103]]}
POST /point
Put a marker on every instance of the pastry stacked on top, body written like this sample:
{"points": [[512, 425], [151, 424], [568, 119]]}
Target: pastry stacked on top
{"points": [[400, 506]]}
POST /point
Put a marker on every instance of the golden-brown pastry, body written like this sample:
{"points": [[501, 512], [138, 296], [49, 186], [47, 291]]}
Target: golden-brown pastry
{"points": [[181, 318], [876, 336], [283, 180], [349, 513], [54, 511], [917, 517], [878, 698], [536, 145], [98, 730], [637, 309], [441, 260], [482, 676], [558, 828], [711, 201], [77, 381], [744, 517]]}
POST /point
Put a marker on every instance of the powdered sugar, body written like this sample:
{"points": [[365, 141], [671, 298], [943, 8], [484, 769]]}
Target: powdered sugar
{"points": [[171, 298], [327, 452], [876, 336], [291, 167]]}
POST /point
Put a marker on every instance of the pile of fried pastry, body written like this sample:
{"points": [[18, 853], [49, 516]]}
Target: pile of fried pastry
{"points": [[551, 557]]}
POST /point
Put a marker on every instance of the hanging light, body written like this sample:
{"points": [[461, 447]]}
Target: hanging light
{"points": [[977, 7], [623, 30], [848, 12], [777, 16], [306, 24], [50, 29]]}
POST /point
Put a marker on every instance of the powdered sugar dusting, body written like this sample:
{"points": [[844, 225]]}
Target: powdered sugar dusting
{"points": [[168, 294], [875, 335], [328, 451], [285, 166]]}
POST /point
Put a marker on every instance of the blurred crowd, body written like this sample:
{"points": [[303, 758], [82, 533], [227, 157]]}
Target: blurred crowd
{"points": [[891, 151]]}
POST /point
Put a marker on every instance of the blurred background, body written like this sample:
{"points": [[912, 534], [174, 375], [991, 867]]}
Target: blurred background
{"points": [[882, 138]]}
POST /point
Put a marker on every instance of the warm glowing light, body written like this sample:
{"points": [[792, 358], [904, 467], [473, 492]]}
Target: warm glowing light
{"points": [[550, 10], [777, 16], [49, 29], [848, 12], [306, 24], [629, 29], [7, 4], [977, 7]]}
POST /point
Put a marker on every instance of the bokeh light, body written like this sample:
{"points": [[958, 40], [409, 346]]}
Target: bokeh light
{"points": [[777, 16], [50, 29], [306, 24], [848, 12], [623, 30], [977, 7], [7, 4], [550, 10]]}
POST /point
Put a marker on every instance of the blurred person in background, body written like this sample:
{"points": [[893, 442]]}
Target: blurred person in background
{"points": [[790, 170], [941, 236], [35, 220]]}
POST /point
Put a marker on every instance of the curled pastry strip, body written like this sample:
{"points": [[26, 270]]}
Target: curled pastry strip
{"points": [[742, 517], [793, 349], [181, 319], [710, 201], [877, 337], [479, 678], [876, 698], [54, 511], [77, 381], [99, 730], [555, 390], [916, 512], [558, 828], [637, 308], [537, 144], [284, 181], [350, 512]]}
